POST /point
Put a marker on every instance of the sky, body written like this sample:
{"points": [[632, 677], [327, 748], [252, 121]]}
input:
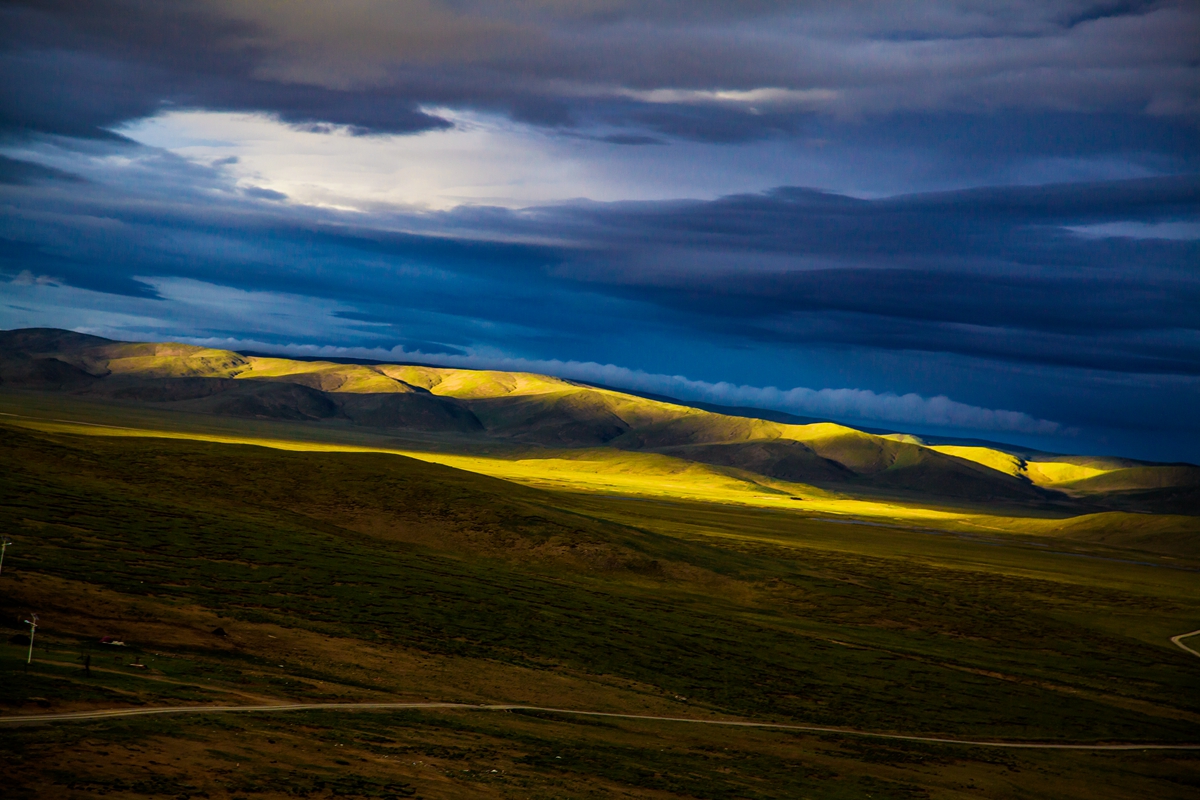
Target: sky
{"points": [[962, 219]]}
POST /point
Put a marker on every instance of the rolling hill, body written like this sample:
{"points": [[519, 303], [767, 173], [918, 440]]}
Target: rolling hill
{"points": [[533, 414], [259, 531]]}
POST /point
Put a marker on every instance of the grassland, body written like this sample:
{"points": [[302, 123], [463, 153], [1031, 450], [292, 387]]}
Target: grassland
{"points": [[343, 569], [624, 473], [590, 470], [260, 530]]}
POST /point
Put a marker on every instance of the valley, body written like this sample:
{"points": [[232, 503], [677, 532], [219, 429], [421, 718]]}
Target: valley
{"points": [[262, 531]]}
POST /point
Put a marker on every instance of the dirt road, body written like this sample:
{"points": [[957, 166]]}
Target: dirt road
{"points": [[82, 716], [1178, 640]]}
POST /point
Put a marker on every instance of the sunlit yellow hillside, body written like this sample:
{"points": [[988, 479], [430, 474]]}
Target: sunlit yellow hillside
{"points": [[593, 439], [993, 459], [164, 361], [465, 383], [1042, 473], [323, 375], [602, 470], [1049, 473]]}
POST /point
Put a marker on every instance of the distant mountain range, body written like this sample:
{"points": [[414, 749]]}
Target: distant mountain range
{"points": [[545, 412]]}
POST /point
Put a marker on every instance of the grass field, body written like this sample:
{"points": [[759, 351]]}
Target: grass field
{"points": [[614, 472], [341, 569]]}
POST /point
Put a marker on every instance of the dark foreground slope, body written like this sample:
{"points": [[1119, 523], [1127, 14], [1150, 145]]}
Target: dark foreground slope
{"points": [[369, 576]]}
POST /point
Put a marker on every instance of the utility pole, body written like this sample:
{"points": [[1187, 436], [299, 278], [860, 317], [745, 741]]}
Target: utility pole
{"points": [[4, 543], [32, 623]]}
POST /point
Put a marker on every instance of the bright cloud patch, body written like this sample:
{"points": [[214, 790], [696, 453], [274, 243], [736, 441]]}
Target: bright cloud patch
{"points": [[481, 160], [1180, 231], [765, 96], [478, 161]]}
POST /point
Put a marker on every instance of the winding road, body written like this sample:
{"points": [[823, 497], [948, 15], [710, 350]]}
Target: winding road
{"points": [[1178, 641], [84, 716]]}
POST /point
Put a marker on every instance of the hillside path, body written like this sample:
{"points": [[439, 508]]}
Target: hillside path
{"points": [[1178, 640], [82, 716]]}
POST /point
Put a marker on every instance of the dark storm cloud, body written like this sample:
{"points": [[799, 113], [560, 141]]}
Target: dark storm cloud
{"points": [[822, 222], [707, 71], [995, 273], [13, 170], [1003, 274], [78, 70], [17, 257]]}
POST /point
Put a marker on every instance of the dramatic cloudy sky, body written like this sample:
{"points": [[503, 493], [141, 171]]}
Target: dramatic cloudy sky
{"points": [[973, 218]]}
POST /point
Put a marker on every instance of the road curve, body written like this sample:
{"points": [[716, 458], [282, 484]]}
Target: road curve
{"points": [[1178, 641], [83, 716]]}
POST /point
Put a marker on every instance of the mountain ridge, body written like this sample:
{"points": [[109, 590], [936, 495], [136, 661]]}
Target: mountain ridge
{"points": [[549, 412]]}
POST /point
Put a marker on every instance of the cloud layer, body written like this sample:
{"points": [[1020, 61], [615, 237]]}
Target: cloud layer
{"points": [[993, 281], [992, 202], [715, 71]]}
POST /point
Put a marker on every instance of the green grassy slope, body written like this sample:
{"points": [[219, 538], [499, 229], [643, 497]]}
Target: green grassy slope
{"points": [[1134, 478], [375, 575], [447, 561]]}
